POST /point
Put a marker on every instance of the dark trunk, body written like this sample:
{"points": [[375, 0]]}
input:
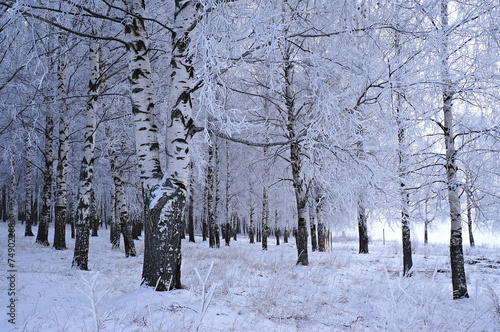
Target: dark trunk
{"points": [[42, 236], [426, 233], [60, 228], [312, 225], [321, 227], [407, 257], [265, 218], [4, 204], [190, 213], [469, 222], [210, 199], [362, 229], [251, 226]]}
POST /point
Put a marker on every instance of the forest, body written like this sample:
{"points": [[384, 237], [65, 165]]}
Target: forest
{"points": [[232, 124]]}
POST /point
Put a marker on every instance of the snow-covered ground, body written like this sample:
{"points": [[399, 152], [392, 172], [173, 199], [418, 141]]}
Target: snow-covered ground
{"points": [[252, 290]]}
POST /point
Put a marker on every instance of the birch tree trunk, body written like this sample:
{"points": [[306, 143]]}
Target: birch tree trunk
{"points": [[82, 223], [217, 192], [29, 193], [162, 255], [362, 228], [276, 228], [251, 227], [62, 163], [321, 225], [94, 219], [227, 234], [312, 226], [456, 249], [204, 222], [265, 217], [469, 221], [295, 160], [42, 236], [190, 213], [123, 215], [12, 190], [4, 205], [402, 165], [210, 198], [115, 220], [146, 143]]}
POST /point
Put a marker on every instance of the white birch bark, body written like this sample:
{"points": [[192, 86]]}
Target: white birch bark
{"points": [[456, 249], [142, 96], [320, 216], [295, 160], [80, 257], [402, 158], [265, 217], [62, 163], [162, 256]]}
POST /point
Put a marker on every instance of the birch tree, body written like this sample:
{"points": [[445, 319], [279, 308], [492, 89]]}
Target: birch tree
{"points": [[29, 192], [62, 162], [82, 224], [456, 249], [42, 236]]}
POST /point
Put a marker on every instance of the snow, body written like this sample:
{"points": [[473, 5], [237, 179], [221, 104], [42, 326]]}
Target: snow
{"points": [[253, 290]]}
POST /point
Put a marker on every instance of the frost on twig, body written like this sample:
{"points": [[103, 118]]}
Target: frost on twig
{"points": [[206, 296], [90, 293]]}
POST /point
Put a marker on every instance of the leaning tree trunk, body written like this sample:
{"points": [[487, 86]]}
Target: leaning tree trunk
{"points": [[456, 249], [42, 236], [82, 224], [29, 194], [62, 162]]}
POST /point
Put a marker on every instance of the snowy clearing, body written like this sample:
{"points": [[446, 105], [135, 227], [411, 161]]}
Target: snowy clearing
{"points": [[250, 290]]}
